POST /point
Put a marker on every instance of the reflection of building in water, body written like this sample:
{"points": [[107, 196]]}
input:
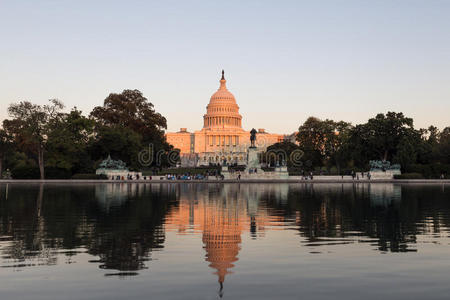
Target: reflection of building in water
{"points": [[384, 194], [222, 213], [221, 237], [115, 194]]}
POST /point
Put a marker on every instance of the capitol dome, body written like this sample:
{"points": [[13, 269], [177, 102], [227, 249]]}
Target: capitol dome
{"points": [[223, 94], [222, 110]]}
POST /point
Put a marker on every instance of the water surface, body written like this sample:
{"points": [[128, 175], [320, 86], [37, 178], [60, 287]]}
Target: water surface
{"points": [[236, 241]]}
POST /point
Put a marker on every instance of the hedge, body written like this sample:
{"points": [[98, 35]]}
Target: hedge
{"points": [[408, 176], [268, 169], [197, 170], [89, 176], [429, 171], [32, 172], [240, 168], [25, 172], [57, 173]]}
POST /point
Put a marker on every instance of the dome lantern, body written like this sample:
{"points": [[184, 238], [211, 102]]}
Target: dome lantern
{"points": [[222, 110]]}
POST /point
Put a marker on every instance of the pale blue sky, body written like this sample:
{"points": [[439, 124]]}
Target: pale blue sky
{"points": [[284, 60]]}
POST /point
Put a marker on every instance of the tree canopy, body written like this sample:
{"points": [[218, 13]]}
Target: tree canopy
{"points": [[127, 124], [389, 136], [40, 140], [132, 110], [31, 126], [46, 138]]}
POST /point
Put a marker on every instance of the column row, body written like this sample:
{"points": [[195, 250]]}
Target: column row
{"points": [[218, 121], [223, 140]]}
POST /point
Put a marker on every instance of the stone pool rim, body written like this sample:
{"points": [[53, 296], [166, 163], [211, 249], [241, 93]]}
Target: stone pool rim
{"points": [[158, 181]]}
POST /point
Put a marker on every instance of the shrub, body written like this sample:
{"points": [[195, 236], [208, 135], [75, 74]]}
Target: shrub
{"points": [[57, 173], [409, 176], [429, 170], [237, 167], [268, 169], [32, 172], [89, 176], [197, 170], [25, 172]]}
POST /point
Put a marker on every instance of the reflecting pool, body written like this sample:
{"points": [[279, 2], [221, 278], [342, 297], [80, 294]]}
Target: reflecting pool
{"points": [[235, 241]]}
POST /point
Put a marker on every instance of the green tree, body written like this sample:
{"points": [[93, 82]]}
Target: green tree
{"points": [[311, 138], [5, 147], [444, 146], [130, 118], [407, 150], [323, 141], [119, 142], [68, 142], [31, 125], [132, 110], [278, 152], [380, 137], [337, 135]]}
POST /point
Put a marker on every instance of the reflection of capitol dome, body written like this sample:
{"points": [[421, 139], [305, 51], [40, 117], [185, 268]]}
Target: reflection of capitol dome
{"points": [[222, 110], [222, 238], [221, 215]]}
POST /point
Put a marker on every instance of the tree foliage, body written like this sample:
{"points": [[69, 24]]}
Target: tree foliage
{"points": [[69, 141], [43, 139], [61, 144], [5, 147], [132, 110], [31, 126], [389, 136], [126, 124], [381, 136], [323, 142]]}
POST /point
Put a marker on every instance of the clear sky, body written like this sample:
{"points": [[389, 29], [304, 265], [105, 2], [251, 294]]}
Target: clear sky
{"points": [[283, 60]]}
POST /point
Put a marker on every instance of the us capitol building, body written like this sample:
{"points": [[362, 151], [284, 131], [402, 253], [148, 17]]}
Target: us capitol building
{"points": [[222, 136]]}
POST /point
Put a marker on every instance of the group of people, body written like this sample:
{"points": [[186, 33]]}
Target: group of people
{"points": [[310, 175], [307, 176], [185, 177], [252, 170], [130, 177], [356, 175]]}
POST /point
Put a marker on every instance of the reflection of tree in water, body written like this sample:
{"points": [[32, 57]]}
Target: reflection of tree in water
{"points": [[123, 223], [22, 227], [69, 218], [343, 213], [125, 236]]}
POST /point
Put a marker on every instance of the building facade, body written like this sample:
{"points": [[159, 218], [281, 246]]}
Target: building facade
{"points": [[222, 137]]}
